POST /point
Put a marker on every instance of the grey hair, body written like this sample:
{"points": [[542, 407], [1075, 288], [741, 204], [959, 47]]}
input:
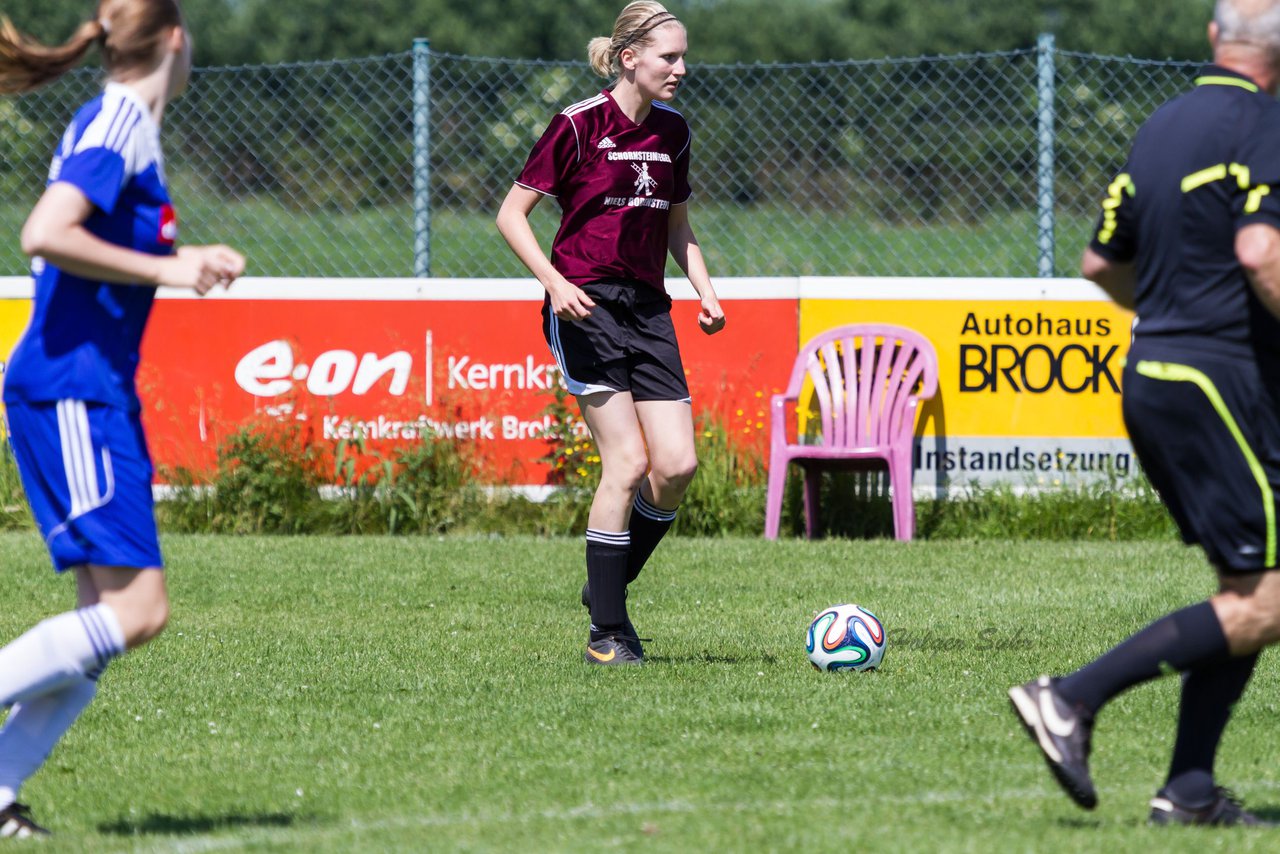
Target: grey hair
{"points": [[1255, 22]]}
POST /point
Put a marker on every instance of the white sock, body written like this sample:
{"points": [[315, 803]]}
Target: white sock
{"points": [[33, 728], [59, 651]]}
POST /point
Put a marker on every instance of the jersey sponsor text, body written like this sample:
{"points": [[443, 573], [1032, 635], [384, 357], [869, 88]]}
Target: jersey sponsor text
{"points": [[636, 202], [653, 156]]}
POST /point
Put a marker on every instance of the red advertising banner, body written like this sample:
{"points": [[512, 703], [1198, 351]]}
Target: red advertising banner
{"points": [[1028, 367], [396, 361]]}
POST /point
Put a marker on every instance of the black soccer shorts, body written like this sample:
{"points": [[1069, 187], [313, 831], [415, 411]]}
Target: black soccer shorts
{"points": [[1206, 429], [627, 344]]}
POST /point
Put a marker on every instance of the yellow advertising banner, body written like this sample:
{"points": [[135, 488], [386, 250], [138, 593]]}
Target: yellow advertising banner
{"points": [[15, 314], [1028, 373], [1007, 367]]}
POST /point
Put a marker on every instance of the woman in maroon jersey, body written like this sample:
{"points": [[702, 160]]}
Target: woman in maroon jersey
{"points": [[618, 164]]}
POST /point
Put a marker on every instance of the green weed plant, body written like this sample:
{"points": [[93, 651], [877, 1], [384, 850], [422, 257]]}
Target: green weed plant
{"points": [[273, 478]]}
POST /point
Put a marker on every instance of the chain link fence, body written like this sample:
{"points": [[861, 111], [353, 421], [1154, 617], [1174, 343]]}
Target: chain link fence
{"points": [[974, 165]]}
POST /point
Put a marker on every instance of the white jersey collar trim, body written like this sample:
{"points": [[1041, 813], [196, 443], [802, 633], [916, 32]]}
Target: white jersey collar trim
{"points": [[131, 95]]}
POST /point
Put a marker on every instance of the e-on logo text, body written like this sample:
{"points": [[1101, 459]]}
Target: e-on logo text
{"points": [[272, 369]]}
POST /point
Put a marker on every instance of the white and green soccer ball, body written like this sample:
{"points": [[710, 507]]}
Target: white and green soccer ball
{"points": [[845, 637]]}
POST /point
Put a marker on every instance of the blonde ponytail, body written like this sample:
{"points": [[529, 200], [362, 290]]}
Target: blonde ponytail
{"points": [[633, 29], [599, 56]]}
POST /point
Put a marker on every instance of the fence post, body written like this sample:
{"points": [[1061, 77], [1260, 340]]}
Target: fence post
{"points": [[421, 158], [1044, 145]]}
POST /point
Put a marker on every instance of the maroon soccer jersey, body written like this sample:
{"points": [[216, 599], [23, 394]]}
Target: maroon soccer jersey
{"points": [[615, 181]]}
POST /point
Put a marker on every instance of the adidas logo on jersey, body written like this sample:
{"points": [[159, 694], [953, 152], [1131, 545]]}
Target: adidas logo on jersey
{"points": [[606, 143]]}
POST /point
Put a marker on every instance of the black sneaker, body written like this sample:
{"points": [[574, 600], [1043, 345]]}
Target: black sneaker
{"points": [[1225, 810], [1061, 733], [611, 650], [16, 823], [628, 634]]}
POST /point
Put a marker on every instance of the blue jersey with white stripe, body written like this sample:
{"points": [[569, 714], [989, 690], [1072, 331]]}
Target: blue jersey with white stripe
{"points": [[84, 335]]}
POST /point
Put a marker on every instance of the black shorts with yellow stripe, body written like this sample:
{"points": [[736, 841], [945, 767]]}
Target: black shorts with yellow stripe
{"points": [[1206, 429]]}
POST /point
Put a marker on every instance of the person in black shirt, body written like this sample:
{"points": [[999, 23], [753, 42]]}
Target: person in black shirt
{"points": [[1189, 237]]}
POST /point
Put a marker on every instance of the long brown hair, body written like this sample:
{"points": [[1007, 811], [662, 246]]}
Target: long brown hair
{"points": [[128, 32]]}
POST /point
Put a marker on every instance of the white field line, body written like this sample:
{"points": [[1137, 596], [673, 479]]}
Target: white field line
{"points": [[247, 836]]}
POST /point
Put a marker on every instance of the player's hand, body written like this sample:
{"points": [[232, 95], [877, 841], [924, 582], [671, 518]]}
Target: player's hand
{"points": [[569, 302], [711, 317], [202, 268]]}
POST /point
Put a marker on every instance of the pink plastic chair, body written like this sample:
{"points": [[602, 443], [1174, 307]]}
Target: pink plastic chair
{"points": [[867, 379]]}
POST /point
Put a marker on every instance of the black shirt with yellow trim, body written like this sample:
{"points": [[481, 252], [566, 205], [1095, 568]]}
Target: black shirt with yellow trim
{"points": [[1206, 164]]}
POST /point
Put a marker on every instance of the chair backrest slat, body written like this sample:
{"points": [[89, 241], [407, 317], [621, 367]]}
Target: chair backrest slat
{"points": [[881, 394], [822, 391], [868, 380], [853, 387], [835, 378]]}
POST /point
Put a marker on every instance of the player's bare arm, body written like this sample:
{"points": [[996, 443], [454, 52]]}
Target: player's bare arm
{"points": [[1258, 248], [1117, 280], [55, 231], [684, 248], [568, 301]]}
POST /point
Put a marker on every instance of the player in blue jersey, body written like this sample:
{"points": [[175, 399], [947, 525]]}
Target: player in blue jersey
{"points": [[102, 238]]}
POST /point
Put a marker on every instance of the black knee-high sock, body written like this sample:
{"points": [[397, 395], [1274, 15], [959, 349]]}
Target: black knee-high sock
{"points": [[649, 524], [1209, 694], [607, 579], [1179, 641]]}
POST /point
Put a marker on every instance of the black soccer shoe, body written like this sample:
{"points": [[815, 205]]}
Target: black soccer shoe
{"points": [[611, 650], [1225, 810], [16, 823], [628, 634], [1061, 733]]}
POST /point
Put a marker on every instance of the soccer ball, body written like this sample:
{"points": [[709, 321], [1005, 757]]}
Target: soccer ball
{"points": [[845, 637]]}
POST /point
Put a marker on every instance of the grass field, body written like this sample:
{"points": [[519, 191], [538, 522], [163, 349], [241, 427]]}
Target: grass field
{"points": [[322, 694]]}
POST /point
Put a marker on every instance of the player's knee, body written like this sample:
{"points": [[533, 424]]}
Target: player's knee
{"points": [[154, 623], [1249, 622], [1267, 622], [142, 624], [678, 472], [628, 467]]}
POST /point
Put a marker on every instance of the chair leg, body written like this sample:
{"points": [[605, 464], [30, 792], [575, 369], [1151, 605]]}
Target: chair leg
{"points": [[904, 505], [812, 486], [777, 480]]}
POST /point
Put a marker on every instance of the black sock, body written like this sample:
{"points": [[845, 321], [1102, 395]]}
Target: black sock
{"points": [[607, 578], [649, 525], [1209, 693], [1179, 641]]}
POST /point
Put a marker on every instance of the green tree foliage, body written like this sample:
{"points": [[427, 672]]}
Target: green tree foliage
{"points": [[1155, 29], [231, 32]]}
